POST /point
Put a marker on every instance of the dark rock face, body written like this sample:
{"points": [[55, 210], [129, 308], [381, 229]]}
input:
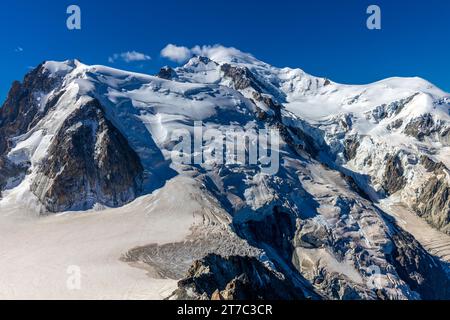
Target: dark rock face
{"points": [[432, 166], [426, 126], [433, 203], [242, 78], [22, 110], [395, 124], [298, 140], [235, 278], [167, 73], [338, 287], [388, 110], [393, 180], [271, 104], [423, 273], [353, 185], [276, 229], [351, 146], [89, 162], [8, 171], [421, 127]]}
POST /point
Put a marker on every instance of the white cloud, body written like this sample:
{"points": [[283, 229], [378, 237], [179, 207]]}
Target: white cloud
{"points": [[129, 56], [18, 49], [216, 53], [176, 53]]}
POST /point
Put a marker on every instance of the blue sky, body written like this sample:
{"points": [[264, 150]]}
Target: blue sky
{"points": [[323, 37]]}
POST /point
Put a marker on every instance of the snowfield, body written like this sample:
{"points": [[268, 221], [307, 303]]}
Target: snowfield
{"points": [[36, 252]]}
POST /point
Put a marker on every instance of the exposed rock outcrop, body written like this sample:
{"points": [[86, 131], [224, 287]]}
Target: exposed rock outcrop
{"points": [[351, 145], [167, 73], [234, 278], [298, 139], [24, 107], [89, 162], [393, 179], [8, 172], [422, 272], [433, 203], [420, 127], [274, 107], [431, 165], [389, 110], [276, 229], [426, 126], [243, 78]]}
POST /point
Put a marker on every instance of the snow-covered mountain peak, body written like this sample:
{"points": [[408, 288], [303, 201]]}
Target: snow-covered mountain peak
{"points": [[221, 55], [76, 137], [56, 68]]}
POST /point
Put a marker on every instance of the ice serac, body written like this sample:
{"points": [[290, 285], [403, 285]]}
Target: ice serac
{"points": [[89, 162]]}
